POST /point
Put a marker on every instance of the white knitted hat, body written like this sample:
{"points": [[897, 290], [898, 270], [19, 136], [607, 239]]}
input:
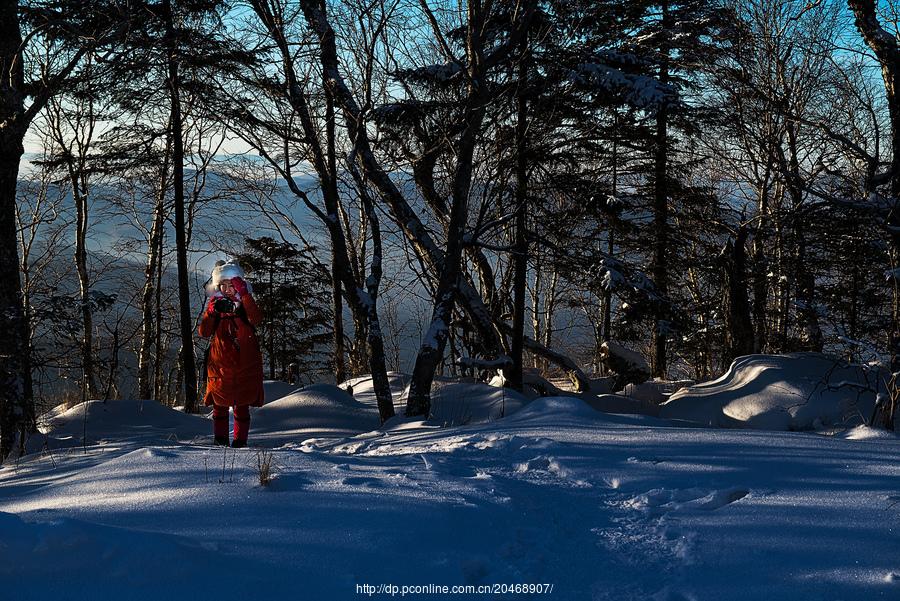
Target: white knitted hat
{"points": [[225, 270]]}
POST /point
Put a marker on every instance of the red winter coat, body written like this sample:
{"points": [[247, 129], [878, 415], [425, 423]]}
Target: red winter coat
{"points": [[234, 368]]}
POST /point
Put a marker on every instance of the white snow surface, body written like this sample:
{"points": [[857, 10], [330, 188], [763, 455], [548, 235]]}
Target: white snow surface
{"points": [[600, 506], [798, 391]]}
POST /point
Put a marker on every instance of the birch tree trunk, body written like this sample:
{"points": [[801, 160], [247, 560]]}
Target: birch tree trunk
{"points": [[340, 373], [432, 348]]}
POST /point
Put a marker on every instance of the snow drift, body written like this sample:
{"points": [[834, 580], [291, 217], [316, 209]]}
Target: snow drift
{"points": [[94, 421], [798, 391], [319, 407]]}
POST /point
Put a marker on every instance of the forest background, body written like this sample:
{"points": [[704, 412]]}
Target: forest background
{"points": [[442, 187]]}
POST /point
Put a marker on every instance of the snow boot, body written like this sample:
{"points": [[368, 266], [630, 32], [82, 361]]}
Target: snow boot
{"points": [[237, 443], [221, 441]]}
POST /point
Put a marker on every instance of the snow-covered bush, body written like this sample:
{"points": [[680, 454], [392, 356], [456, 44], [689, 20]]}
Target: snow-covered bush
{"points": [[798, 391]]}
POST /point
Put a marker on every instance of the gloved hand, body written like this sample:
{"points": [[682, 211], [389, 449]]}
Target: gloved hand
{"points": [[211, 306], [240, 286]]}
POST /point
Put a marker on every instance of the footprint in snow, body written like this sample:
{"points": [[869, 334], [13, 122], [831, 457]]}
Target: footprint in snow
{"points": [[720, 498], [653, 460], [664, 500], [366, 481], [438, 467]]}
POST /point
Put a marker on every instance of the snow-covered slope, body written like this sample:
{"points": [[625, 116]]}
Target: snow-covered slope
{"points": [[602, 507], [799, 391]]}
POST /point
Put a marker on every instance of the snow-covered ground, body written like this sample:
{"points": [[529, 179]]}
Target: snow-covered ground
{"points": [[600, 506]]}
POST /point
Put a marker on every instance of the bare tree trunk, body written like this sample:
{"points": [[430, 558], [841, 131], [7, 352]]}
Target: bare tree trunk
{"points": [[358, 364], [28, 344], [340, 373], [660, 269], [188, 366], [537, 326], [852, 318], [431, 350], [552, 297], [340, 367], [14, 405], [606, 332], [514, 378], [80, 196], [739, 338], [146, 389], [159, 353], [111, 387], [179, 378], [782, 282], [270, 346], [808, 316], [887, 49], [760, 275], [374, 335]]}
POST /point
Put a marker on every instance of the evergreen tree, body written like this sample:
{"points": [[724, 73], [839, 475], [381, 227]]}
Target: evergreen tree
{"points": [[674, 39], [294, 297]]}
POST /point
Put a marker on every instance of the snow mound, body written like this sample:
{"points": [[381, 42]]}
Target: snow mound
{"points": [[615, 403], [647, 392], [108, 420], [455, 403], [364, 389], [534, 384], [556, 407], [454, 400], [276, 389], [863, 432], [628, 365], [798, 391], [321, 407]]}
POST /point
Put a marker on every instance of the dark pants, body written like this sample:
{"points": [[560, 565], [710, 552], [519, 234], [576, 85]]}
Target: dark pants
{"points": [[241, 422]]}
